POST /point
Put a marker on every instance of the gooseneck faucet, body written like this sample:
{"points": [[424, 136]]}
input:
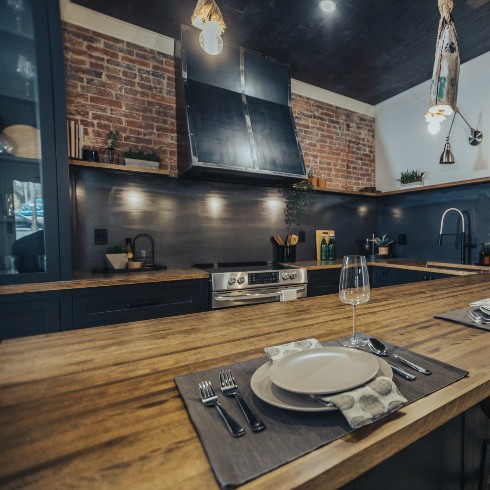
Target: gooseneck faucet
{"points": [[461, 235]]}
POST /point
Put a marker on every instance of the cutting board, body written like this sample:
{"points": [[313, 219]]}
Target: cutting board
{"points": [[319, 240], [26, 140]]}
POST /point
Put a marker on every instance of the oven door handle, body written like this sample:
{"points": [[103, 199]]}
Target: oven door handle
{"points": [[255, 295]]}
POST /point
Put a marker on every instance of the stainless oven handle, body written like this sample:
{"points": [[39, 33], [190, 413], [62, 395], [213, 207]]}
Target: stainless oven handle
{"points": [[254, 295]]}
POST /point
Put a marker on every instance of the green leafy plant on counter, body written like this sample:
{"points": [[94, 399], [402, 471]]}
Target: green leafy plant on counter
{"points": [[412, 176], [151, 156], [115, 249], [384, 241], [297, 198]]}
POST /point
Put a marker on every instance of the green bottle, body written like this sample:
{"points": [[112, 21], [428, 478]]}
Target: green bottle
{"points": [[323, 248], [332, 249]]}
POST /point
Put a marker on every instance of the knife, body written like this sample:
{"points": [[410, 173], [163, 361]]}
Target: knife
{"points": [[402, 372], [418, 368]]}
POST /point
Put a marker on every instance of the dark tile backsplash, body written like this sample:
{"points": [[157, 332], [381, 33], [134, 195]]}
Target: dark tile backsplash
{"points": [[195, 221]]}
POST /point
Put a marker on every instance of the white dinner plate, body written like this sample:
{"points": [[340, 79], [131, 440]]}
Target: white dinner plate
{"points": [[324, 370], [263, 388], [485, 309]]}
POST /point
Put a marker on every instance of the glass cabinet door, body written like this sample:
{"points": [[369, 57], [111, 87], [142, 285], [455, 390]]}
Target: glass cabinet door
{"points": [[29, 244]]}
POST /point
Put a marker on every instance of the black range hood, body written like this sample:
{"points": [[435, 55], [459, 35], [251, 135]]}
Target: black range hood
{"points": [[235, 120]]}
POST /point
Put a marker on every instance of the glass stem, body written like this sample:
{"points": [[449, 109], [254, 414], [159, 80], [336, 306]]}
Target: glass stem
{"points": [[353, 322]]}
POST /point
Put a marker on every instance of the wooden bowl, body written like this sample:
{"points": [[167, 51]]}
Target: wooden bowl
{"points": [[134, 265]]}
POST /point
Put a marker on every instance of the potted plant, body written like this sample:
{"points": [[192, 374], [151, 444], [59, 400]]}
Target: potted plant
{"points": [[116, 257], [383, 244], [140, 158], [412, 178], [297, 197]]}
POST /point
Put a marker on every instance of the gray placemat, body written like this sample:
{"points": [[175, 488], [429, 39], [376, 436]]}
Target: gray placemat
{"points": [[461, 316], [289, 434]]}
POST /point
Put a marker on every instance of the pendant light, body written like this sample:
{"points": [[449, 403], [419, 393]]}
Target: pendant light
{"points": [[445, 76], [208, 18]]}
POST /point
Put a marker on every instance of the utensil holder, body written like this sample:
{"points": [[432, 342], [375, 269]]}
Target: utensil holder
{"points": [[290, 253]]}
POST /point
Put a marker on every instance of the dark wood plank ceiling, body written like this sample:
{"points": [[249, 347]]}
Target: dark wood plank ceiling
{"points": [[369, 50]]}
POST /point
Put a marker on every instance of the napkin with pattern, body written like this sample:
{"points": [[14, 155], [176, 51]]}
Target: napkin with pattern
{"points": [[360, 406]]}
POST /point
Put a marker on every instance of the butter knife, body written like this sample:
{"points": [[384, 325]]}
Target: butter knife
{"points": [[402, 373], [418, 368]]}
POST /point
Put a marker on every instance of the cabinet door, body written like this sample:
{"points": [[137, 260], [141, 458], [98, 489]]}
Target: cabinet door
{"points": [[29, 220], [21, 318], [383, 276], [323, 282], [106, 306]]}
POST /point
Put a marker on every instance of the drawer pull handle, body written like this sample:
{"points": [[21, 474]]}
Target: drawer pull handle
{"points": [[142, 304]]}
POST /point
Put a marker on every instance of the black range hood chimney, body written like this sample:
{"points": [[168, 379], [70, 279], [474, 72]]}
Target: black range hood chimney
{"points": [[234, 115]]}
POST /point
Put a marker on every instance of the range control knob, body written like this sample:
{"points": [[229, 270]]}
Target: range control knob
{"points": [[292, 275], [231, 281], [285, 275], [240, 280]]}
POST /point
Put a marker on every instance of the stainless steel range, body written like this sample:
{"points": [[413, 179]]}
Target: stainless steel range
{"points": [[241, 284]]}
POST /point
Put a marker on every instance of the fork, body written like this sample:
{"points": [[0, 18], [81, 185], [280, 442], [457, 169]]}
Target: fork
{"points": [[477, 318], [230, 388], [210, 399]]}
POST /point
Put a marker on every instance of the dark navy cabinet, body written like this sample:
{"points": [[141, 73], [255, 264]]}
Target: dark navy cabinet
{"points": [[34, 195], [325, 281], [109, 305]]}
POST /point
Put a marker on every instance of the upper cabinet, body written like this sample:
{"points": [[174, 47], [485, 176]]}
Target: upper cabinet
{"points": [[34, 196]]}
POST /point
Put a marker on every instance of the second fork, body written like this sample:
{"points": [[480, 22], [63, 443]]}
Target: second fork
{"points": [[230, 388]]}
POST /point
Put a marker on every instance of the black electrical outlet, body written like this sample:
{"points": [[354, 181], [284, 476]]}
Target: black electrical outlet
{"points": [[402, 238], [302, 237], [100, 236]]}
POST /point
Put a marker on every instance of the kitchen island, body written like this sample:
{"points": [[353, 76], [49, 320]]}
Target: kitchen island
{"points": [[98, 408]]}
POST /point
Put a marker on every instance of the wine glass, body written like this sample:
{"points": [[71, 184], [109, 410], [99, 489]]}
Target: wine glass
{"points": [[354, 290], [25, 69]]}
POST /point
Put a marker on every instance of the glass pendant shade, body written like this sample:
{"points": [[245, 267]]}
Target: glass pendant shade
{"points": [[208, 18], [447, 156]]}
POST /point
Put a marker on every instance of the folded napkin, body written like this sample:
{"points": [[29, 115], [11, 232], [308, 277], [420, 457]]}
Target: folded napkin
{"points": [[481, 302], [279, 351], [369, 403], [360, 406]]}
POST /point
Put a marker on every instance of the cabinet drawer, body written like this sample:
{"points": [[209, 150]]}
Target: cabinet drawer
{"points": [[323, 282], [23, 318], [128, 304]]}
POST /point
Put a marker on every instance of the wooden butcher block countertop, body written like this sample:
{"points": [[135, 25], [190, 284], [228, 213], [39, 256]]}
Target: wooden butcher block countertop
{"points": [[98, 408]]}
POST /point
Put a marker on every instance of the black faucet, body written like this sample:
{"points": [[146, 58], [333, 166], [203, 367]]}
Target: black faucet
{"points": [[462, 235]]}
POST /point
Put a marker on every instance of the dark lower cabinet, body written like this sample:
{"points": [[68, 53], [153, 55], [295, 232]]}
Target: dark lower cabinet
{"points": [[23, 315], [110, 305], [387, 276], [26, 314], [324, 281], [449, 458]]}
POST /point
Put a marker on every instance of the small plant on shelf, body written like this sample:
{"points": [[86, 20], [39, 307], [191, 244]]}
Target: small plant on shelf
{"points": [[412, 177], [151, 156], [115, 249]]}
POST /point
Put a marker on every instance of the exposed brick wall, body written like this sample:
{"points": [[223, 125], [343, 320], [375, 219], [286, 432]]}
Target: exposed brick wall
{"points": [[114, 84], [337, 144]]}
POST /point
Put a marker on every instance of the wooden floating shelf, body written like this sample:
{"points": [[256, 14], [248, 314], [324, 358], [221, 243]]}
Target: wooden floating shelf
{"points": [[118, 168], [481, 180]]}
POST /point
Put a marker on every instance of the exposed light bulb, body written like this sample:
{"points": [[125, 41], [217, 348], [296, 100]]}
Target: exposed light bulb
{"points": [[210, 38], [328, 5], [434, 127]]}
